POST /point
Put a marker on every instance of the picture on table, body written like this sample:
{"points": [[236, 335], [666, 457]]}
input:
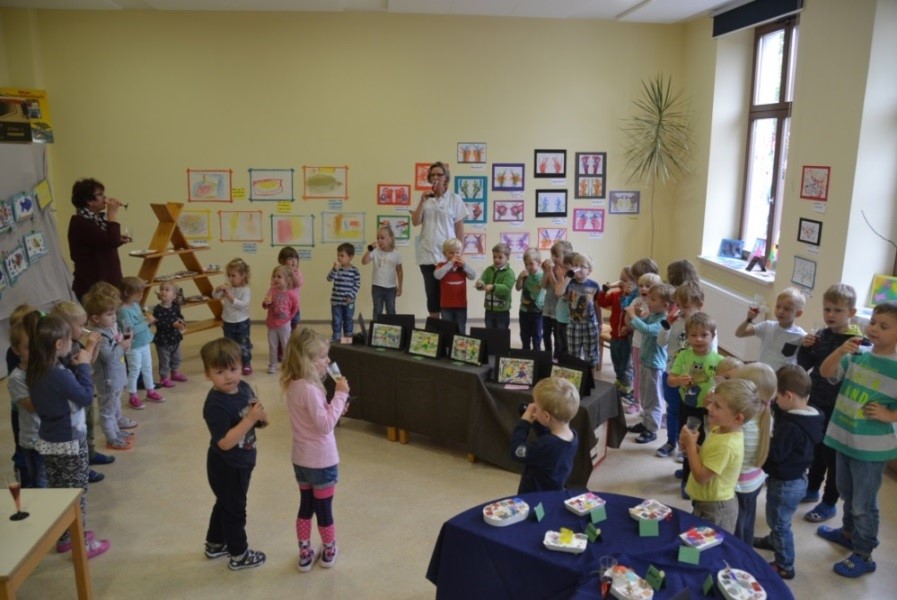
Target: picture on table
{"points": [[467, 349], [550, 163], [424, 343], [551, 203], [386, 336], [516, 370], [574, 376], [507, 210]]}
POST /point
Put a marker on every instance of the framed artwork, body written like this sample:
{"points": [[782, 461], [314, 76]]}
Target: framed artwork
{"points": [[272, 185], [292, 230], [474, 243], [590, 163], [809, 231], [550, 163], [23, 206], [401, 225], [424, 343], [507, 177], [624, 203], [7, 217], [588, 219], [209, 185], [35, 246], [421, 182], [515, 370], [240, 225], [196, 224], [551, 203], [476, 211], [589, 187], [337, 227], [507, 210], [574, 376], [467, 349], [16, 263], [471, 153], [471, 188], [729, 248], [386, 336], [549, 235], [325, 182], [393, 194], [517, 241], [814, 183], [884, 289], [804, 272]]}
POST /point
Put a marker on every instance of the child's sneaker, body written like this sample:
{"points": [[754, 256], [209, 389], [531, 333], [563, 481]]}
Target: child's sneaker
{"points": [[97, 547], [249, 560], [328, 555], [178, 376], [822, 512], [247, 370], [63, 547], [307, 558], [127, 434], [665, 451], [215, 550], [126, 423], [119, 444], [135, 402], [787, 573], [272, 369], [855, 566], [680, 457], [632, 409], [166, 383], [154, 396]]}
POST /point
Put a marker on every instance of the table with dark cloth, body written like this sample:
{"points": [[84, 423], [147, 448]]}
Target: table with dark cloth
{"points": [[473, 559]]}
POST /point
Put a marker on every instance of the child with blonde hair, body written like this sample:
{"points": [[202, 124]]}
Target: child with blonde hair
{"points": [[644, 283], [453, 274], [387, 274], [136, 327], [170, 326], [235, 298], [290, 258], [281, 306], [553, 271], [579, 291], [779, 338], [497, 281], [34, 475], [532, 300]]}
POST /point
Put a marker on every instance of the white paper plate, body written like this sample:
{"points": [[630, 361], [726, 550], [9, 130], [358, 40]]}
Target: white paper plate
{"points": [[584, 503], [627, 585], [143, 252]]}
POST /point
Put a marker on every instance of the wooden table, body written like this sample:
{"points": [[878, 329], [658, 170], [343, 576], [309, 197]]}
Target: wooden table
{"points": [[53, 511]]}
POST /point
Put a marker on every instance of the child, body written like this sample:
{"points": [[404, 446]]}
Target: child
{"points": [[453, 274], [861, 431], [235, 301], [640, 303], [12, 360], [779, 339], [611, 296], [315, 457], [548, 460], [346, 283], [232, 413], [109, 372], [290, 258], [60, 397], [715, 465], [281, 306], [681, 271], [756, 447], [497, 281], [579, 290], [28, 421], [553, 271], [653, 359], [170, 325], [532, 300], [386, 276], [136, 327], [838, 306]]}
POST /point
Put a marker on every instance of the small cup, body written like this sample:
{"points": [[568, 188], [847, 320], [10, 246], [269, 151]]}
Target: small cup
{"points": [[693, 423]]}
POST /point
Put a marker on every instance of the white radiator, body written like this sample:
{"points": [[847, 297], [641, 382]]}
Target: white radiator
{"points": [[729, 309]]}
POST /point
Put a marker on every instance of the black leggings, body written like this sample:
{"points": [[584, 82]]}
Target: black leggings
{"points": [[431, 287]]}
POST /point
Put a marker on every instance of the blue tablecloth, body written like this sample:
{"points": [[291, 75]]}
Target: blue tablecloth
{"points": [[475, 560]]}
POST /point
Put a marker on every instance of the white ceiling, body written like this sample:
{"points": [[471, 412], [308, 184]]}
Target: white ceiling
{"points": [[639, 11]]}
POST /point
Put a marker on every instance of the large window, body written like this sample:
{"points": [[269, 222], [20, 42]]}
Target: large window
{"points": [[769, 126]]}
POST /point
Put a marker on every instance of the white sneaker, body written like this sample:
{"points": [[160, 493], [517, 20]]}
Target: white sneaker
{"points": [[328, 555], [307, 558]]}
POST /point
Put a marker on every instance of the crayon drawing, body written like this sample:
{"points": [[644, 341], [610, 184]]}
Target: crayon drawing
{"points": [[515, 370], [35, 246], [400, 224], [23, 205], [549, 235], [240, 225], [393, 194], [339, 227], [325, 182], [588, 219], [16, 263], [424, 343], [292, 230], [7, 216], [205, 185], [574, 376], [517, 241], [271, 184], [196, 224], [474, 243]]}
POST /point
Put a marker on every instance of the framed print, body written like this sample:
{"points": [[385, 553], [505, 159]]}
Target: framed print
{"points": [[240, 225], [549, 235], [515, 370], [393, 194], [550, 163], [467, 349], [16, 263], [507, 210], [551, 203], [7, 216], [574, 376], [421, 182], [35, 246], [804, 272], [386, 336], [473, 190], [507, 177], [476, 211], [472, 153], [271, 185], [809, 231], [474, 243], [196, 224], [292, 230], [325, 182], [729, 248], [814, 183], [624, 203], [590, 163], [517, 241], [588, 219], [400, 224], [339, 227], [209, 185], [23, 206], [424, 343], [589, 186], [884, 289]]}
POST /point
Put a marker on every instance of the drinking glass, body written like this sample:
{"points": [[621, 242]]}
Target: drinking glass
{"points": [[13, 482], [693, 423], [253, 398], [606, 566], [334, 372]]}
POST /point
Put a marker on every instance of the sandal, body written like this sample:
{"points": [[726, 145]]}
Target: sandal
{"points": [[835, 536], [821, 512]]}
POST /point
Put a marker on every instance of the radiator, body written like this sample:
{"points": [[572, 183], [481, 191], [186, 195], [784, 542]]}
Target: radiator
{"points": [[728, 310]]}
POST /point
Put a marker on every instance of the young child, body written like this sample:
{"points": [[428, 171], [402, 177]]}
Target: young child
{"points": [[170, 326], [640, 304], [681, 271], [553, 271], [136, 327], [235, 298], [453, 274], [281, 306], [314, 455], [653, 359], [779, 339], [861, 431], [838, 306], [386, 276], [532, 300], [548, 460], [109, 372], [579, 290], [611, 296], [797, 430], [497, 281], [28, 421], [231, 412], [346, 283], [290, 258], [12, 361], [715, 464], [60, 396]]}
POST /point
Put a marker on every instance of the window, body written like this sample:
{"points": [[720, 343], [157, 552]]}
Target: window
{"points": [[769, 127]]}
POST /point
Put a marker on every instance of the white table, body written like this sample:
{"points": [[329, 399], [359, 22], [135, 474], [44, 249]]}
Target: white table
{"points": [[26, 542]]}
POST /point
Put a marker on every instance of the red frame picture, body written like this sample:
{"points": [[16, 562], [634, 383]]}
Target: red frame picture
{"points": [[814, 182]]}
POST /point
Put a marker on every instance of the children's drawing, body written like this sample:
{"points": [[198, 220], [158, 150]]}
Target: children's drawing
{"points": [[884, 289], [549, 235], [386, 336], [421, 170], [507, 177], [271, 184], [196, 224], [814, 183], [466, 349], [401, 225], [624, 203], [588, 219], [23, 205], [240, 225], [474, 243], [550, 163], [804, 272], [729, 248], [35, 246], [551, 203], [589, 187], [424, 343], [476, 211], [471, 152], [590, 163], [209, 185], [574, 376], [16, 263], [471, 188], [325, 182], [516, 370], [517, 241], [393, 194], [342, 227], [507, 210], [7, 217], [292, 230]]}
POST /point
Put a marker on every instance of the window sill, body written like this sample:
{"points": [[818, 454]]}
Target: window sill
{"points": [[736, 267]]}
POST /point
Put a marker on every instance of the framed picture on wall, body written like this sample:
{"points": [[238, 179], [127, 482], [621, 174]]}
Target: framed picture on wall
{"points": [[590, 164], [551, 203], [809, 231], [393, 194], [209, 185], [507, 177], [814, 183], [804, 273], [550, 163], [588, 219], [549, 235], [271, 185], [507, 210], [471, 153], [474, 243], [589, 186], [400, 224], [624, 203]]}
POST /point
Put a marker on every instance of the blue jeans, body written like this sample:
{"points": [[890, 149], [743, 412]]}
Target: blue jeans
{"points": [[530, 330], [455, 315], [621, 356], [384, 298], [498, 320], [239, 332], [672, 398], [858, 483], [747, 515], [317, 478], [342, 320], [782, 498], [294, 322], [35, 463]]}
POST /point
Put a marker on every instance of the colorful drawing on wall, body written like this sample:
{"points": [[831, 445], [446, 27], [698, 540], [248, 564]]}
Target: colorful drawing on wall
{"points": [[550, 163], [35, 246], [240, 225], [884, 289], [7, 217], [207, 185], [476, 211], [624, 203], [23, 205], [517, 241], [471, 188], [337, 227], [271, 184], [471, 152], [516, 370], [16, 263], [421, 170], [588, 219], [551, 203], [393, 194], [549, 235], [424, 343], [590, 163], [507, 210], [804, 272], [474, 243], [507, 177], [196, 224], [400, 224], [292, 230], [814, 183], [589, 187], [325, 182]]}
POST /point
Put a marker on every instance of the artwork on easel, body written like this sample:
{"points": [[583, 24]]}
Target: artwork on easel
{"points": [[35, 246], [16, 263], [196, 224], [292, 230], [23, 206], [549, 235], [325, 182], [240, 225], [337, 227], [271, 185], [400, 225], [209, 185], [7, 218]]}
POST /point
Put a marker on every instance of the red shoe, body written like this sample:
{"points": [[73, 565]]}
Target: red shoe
{"points": [[176, 376], [166, 383], [97, 547], [135, 402], [154, 396]]}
